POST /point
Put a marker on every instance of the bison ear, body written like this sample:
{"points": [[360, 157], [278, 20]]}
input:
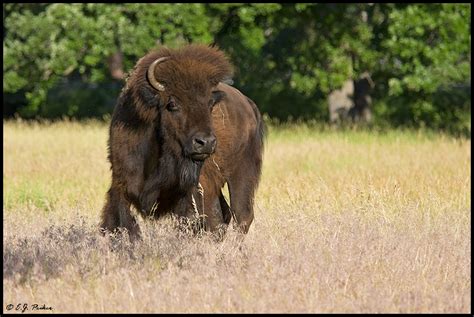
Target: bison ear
{"points": [[228, 81], [221, 76]]}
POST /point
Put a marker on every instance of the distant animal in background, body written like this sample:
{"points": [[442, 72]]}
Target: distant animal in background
{"points": [[178, 134], [352, 102]]}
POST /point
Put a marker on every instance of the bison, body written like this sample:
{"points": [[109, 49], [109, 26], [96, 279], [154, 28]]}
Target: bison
{"points": [[178, 134]]}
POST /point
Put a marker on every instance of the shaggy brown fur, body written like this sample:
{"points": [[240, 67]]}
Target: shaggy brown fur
{"points": [[153, 132]]}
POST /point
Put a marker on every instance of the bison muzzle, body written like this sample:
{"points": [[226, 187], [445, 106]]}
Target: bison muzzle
{"points": [[178, 134]]}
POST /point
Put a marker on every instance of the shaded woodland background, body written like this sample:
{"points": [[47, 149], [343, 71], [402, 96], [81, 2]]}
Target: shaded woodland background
{"points": [[69, 60]]}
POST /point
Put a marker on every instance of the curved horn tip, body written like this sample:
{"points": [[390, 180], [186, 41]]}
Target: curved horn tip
{"points": [[151, 74]]}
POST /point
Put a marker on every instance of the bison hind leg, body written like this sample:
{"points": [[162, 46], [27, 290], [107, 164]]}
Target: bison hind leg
{"points": [[242, 186]]}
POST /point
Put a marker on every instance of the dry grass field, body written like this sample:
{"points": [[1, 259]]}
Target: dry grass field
{"points": [[345, 222]]}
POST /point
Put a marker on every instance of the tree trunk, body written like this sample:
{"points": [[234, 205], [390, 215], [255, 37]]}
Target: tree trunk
{"points": [[115, 63]]}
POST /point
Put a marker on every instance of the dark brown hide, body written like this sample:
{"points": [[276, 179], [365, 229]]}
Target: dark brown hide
{"points": [[152, 143]]}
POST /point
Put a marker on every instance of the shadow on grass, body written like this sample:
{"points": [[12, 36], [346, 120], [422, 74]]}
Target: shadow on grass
{"points": [[81, 247]]}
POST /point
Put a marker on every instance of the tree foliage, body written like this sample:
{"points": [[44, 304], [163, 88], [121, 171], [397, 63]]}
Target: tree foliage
{"points": [[288, 57]]}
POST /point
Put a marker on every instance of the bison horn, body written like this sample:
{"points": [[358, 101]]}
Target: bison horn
{"points": [[151, 74]]}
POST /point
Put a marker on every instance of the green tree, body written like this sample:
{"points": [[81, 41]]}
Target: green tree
{"points": [[428, 59], [46, 44], [300, 53], [69, 59]]}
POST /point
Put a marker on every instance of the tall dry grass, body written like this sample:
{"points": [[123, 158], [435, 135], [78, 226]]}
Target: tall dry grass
{"points": [[345, 222]]}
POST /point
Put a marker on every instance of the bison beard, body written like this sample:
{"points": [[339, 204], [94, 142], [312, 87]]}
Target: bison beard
{"points": [[163, 119], [189, 174], [177, 169], [174, 174]]}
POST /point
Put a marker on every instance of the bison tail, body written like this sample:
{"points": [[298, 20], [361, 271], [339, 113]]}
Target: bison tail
{"points": [[261, 127]]}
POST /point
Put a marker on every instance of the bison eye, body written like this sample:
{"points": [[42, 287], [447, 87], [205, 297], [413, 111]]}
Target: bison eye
{"points": [[217, 96], [171, 106]]}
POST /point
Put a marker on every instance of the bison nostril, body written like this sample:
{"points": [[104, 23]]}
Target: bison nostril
{"points": [[199, 141]]}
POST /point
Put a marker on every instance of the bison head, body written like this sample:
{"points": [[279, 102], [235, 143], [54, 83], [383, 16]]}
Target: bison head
{"points": [[185, 81]]}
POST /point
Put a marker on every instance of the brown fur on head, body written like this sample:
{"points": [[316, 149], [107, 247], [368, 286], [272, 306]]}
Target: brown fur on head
{"points": [[190, 71], [192, 65]]}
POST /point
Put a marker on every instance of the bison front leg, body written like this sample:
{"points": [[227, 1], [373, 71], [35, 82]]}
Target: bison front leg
{"points": [[149, 195], [116, 214], [204, 210], [214, 220]]}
